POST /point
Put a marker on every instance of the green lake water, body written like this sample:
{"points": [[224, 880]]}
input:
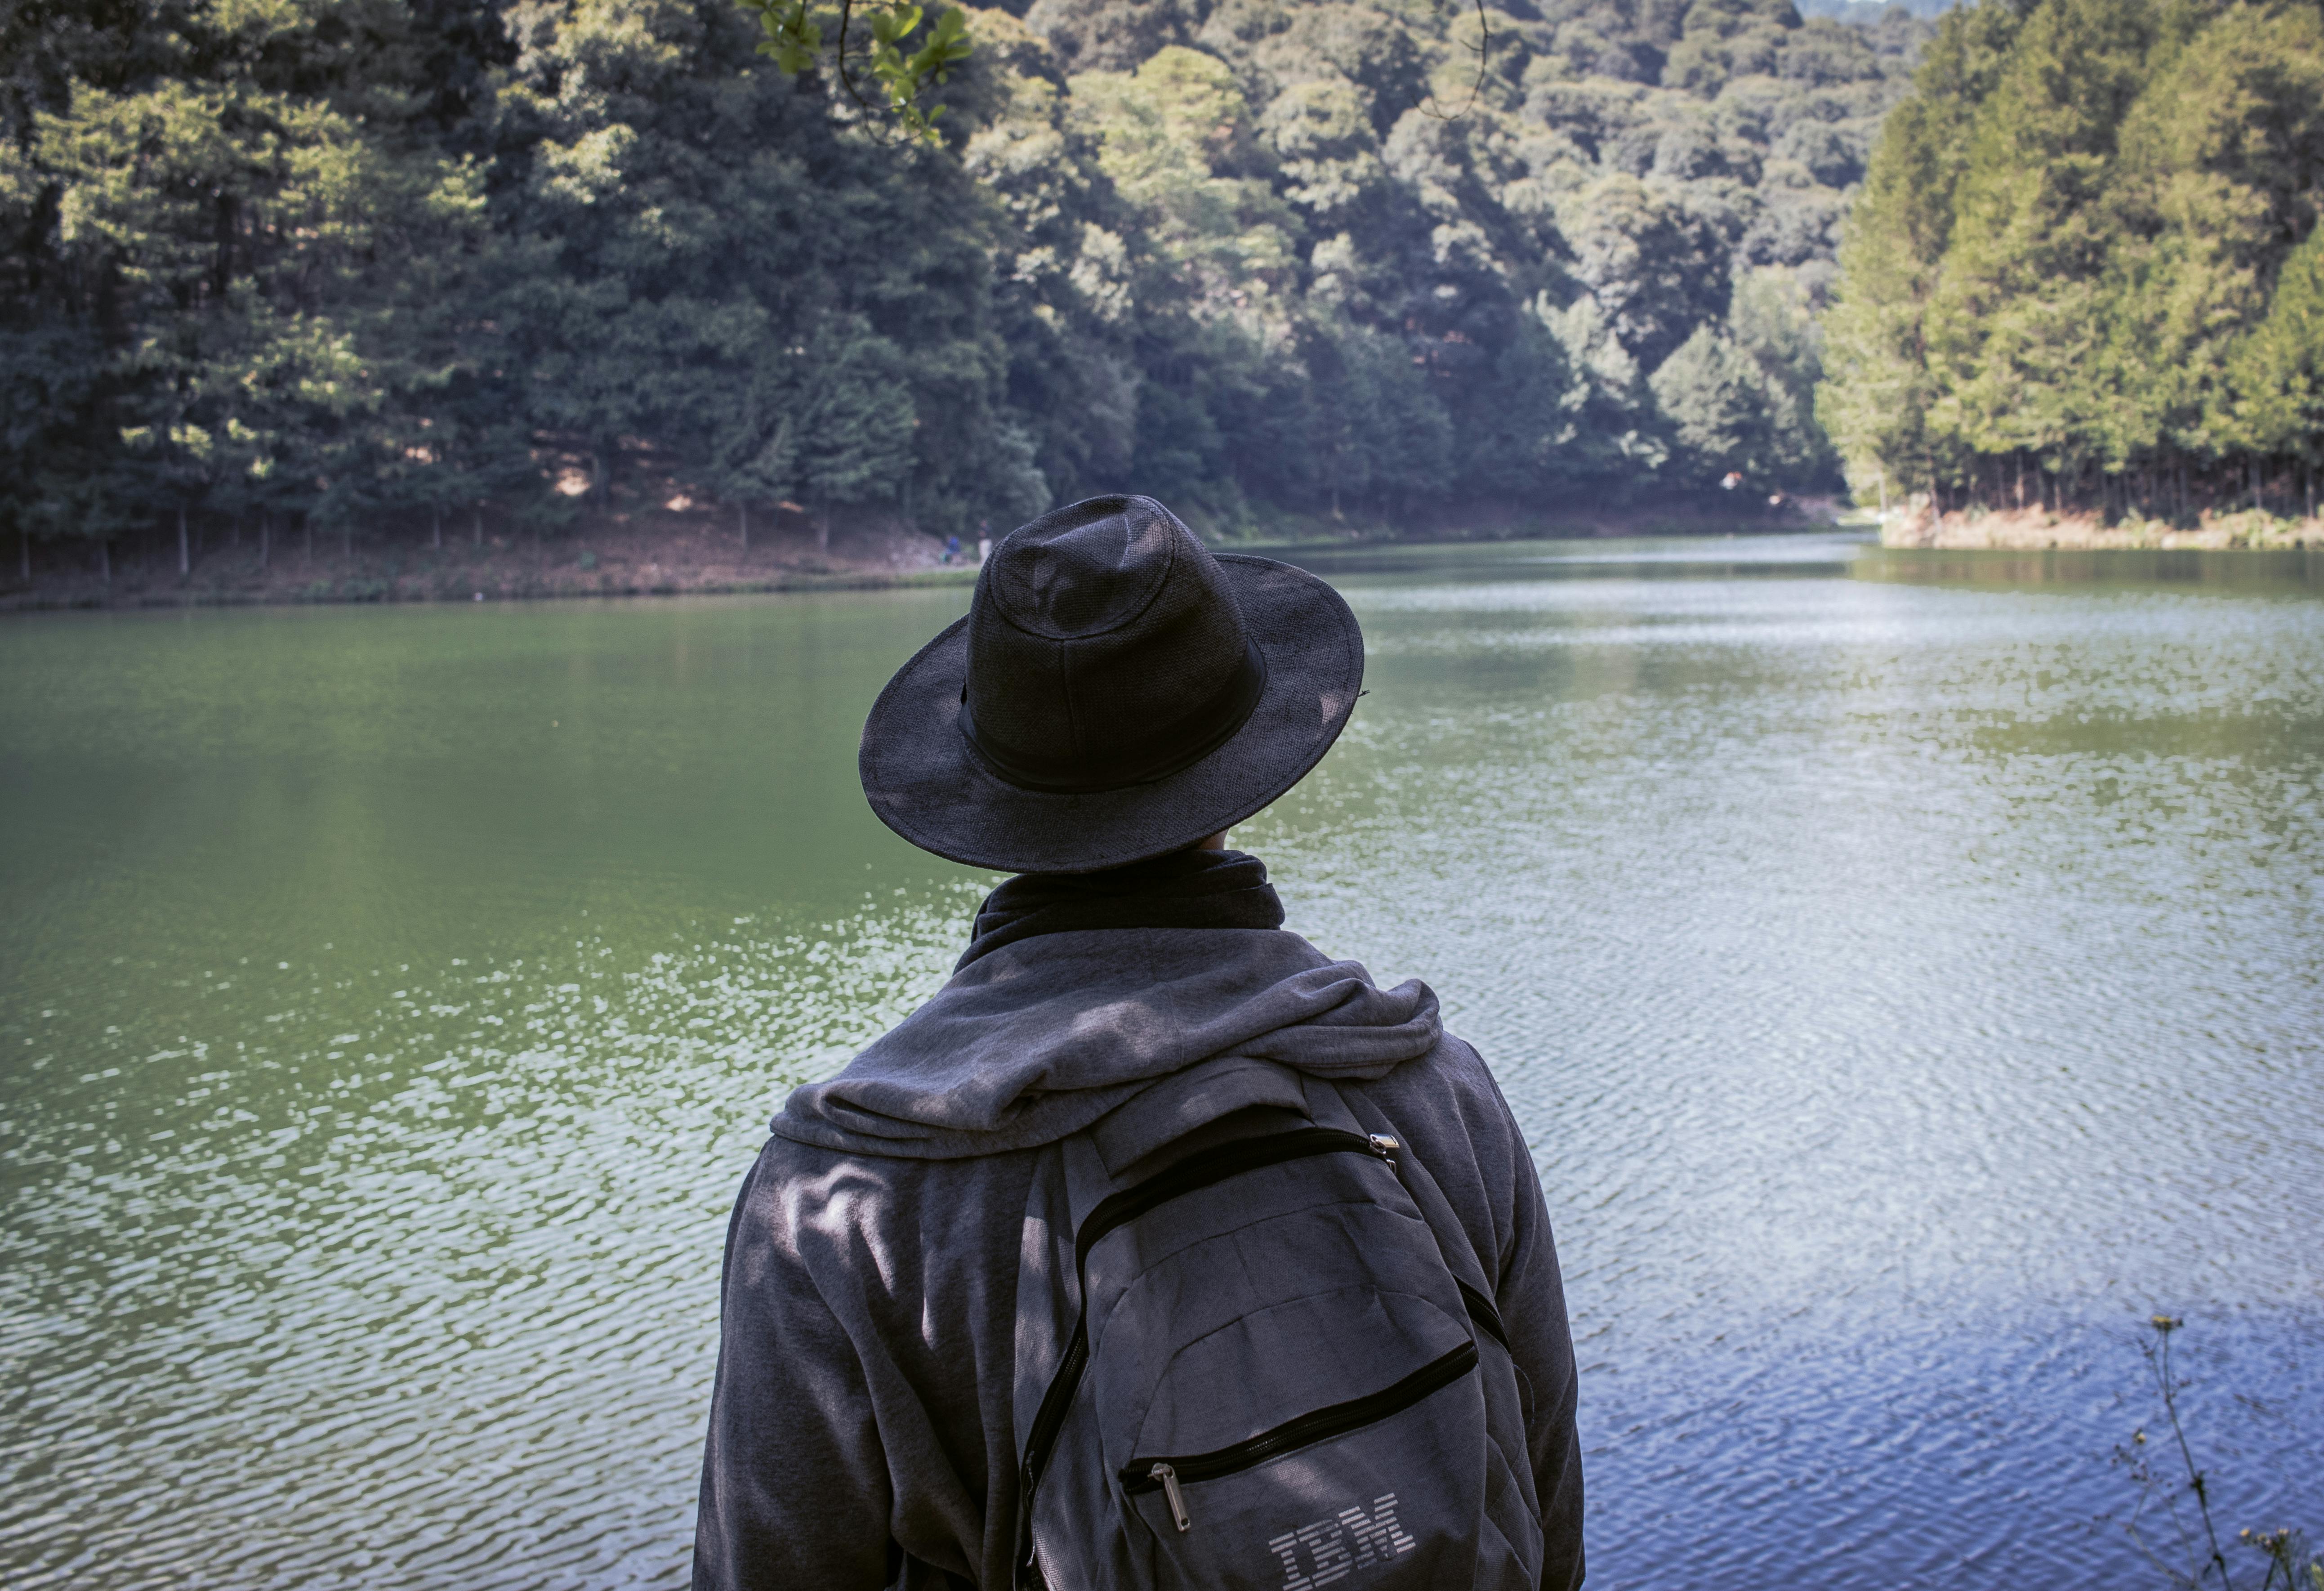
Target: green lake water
{"points": [[1909, 969]]}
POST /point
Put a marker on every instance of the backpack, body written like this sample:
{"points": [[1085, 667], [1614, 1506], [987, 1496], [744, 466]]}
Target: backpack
{"points": [[1273, 1362]]}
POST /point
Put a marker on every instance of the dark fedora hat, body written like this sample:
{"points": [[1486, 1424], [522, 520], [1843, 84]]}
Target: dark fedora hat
{"points": [[1115, 692]]}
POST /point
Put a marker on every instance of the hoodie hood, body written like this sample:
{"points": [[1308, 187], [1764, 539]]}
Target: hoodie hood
{"points": [[1035, 1040]]}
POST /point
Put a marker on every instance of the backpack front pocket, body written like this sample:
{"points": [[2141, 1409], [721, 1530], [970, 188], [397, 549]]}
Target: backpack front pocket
{"points": [[1273, 1382], [1376, 1487], [1173, 1473]]}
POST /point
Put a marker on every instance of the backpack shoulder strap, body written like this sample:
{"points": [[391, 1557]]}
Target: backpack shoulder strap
{"points": [[1081, 1172], [1328, 1106]]}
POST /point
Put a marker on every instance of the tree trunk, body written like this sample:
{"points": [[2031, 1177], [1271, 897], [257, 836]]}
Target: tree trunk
{"points": [[823, 532], [185, 559], [1884, 493], [2254, 480], [436, 526]]}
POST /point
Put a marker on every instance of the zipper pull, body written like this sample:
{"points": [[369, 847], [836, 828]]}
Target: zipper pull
{"points": [[1384, 1146], [1169, 1479]]}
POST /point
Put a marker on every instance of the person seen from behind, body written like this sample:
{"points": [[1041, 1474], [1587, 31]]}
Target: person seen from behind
{"points": [[1158, 1249]]}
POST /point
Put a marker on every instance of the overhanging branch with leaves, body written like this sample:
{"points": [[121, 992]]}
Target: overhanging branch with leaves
{"points": [[902, 60]]}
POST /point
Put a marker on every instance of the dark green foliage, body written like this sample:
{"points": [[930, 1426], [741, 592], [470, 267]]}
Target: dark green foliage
{"points": [[382, 266], [2078, 256], [1284, 274], [194, 308]]}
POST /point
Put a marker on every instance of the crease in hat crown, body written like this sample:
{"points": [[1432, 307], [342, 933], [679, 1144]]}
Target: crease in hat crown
{"points": [[1034, 543], [1106, 649]]}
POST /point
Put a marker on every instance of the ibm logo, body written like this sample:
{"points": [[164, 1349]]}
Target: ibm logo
{"points": [[1327, 1544]]}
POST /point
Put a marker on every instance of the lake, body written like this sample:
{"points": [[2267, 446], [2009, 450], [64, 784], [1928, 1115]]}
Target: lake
{"points": [[1908, 969]]}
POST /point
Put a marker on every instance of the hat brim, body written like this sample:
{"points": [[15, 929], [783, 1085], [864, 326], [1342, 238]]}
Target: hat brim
{"points": [[925, 783]]}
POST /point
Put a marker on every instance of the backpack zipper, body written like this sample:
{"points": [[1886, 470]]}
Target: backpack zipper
{"points": [[1169, 1478], [1144, 1475]]}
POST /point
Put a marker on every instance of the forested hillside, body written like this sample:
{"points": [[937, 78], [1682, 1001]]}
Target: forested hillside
{"points": [[2086, 270], [385, 267]]}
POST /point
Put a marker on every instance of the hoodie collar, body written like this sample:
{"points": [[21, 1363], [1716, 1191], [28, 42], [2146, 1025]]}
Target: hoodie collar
{"points": [[1185, 889]]}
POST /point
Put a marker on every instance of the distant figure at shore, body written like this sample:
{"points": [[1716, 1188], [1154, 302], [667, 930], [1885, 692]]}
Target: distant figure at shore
{"points": [[952, 548], [1158, 1248]]}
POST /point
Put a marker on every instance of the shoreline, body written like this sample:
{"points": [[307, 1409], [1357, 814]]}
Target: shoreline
{"points": [[358, 591], [2034, 529], [681, 549], [694, 551]]}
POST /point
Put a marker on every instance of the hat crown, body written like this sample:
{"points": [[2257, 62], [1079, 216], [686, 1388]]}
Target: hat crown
{"points": [[1105, 648], [1084, 570]]}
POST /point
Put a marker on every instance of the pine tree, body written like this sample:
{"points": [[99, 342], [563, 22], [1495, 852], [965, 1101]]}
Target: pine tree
{"points": [[2222, 161], [2276, 373], [1875, 405], [2014, 326]]}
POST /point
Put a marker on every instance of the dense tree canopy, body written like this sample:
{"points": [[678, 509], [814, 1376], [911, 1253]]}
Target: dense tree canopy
{"points": [[372, 266], [2086, 263]]}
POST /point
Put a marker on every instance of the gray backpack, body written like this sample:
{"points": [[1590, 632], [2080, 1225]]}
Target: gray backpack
{"points": [[1275, 1363]]}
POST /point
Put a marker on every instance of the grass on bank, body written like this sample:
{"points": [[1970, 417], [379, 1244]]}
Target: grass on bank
{"points": [[2037, 529]]}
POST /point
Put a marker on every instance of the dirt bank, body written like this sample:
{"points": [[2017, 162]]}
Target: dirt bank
{"points": [[621, 553]]}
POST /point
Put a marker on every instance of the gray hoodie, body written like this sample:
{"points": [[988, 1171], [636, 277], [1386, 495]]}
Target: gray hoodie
{"points": [[861, 1433]]}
